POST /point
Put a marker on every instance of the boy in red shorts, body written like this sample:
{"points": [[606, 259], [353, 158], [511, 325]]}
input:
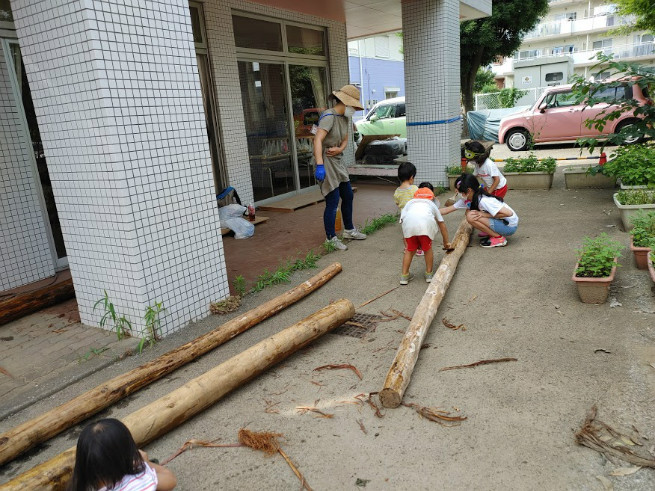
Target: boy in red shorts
{"points": [[420, 219]]}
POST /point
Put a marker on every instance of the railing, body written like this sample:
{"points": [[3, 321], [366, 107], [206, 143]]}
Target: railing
{"points": [[631, 50], [568, 27]]}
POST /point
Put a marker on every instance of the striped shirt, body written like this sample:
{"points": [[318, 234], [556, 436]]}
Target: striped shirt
{"points": [[402, 195], [143, 481]]}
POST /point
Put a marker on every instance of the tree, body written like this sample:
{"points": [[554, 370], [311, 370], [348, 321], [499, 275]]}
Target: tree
{"points": [[484, 79], [482, 40], [643, 10]]}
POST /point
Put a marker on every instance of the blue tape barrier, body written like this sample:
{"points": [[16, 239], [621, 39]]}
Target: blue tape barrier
{"points": [[440, 121]]}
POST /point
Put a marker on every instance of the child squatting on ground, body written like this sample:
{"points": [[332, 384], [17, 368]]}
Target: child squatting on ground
{"points": [[488, 214], [419, 219], [406, 190], [107, 459]]}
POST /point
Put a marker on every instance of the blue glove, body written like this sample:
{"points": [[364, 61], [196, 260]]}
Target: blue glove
{"points": [[319, 174]]}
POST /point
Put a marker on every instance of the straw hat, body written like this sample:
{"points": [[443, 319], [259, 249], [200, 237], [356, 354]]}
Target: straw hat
{"points": [[349, 95]]}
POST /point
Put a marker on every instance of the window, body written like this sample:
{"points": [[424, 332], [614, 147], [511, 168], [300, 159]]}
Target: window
{"points": [[305, 41], [391, 92], [383, 112], [381, 46], [566, 16], [554, 76], [602, 43], [256, 33], [561, 99]]}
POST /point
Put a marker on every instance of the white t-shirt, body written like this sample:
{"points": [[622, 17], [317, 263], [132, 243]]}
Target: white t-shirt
{"points": [[418, 218], [462, 204], [144, 481], [493, 206], [487, 172]]}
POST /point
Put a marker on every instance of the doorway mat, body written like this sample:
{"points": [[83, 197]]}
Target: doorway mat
{"points": [[296, 202], [258, 220]]}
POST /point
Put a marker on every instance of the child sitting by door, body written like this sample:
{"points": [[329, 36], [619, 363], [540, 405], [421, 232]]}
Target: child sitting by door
{"points": [[420, 219]]}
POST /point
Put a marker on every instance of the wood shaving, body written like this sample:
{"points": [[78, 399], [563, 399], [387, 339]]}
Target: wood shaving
{"points": [[437, 415], [361, 426], [445, 322], [188, 445], [305, 409], [339, 367], [477, 363]]}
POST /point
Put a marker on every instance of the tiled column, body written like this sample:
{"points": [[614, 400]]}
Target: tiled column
{"points": [[432, 86], [25, 254], [117, 97]]}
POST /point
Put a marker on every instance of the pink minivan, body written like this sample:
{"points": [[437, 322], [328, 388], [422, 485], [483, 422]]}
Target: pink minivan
{"points": [[556, 117]]}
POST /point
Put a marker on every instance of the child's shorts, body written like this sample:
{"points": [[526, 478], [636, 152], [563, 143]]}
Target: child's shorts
{"points": [[422, 241], [500, 227], [500, 192]]}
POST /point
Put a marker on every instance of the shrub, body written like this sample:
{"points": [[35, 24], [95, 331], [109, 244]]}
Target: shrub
{"points": [[635, 197], [633, 164], [454, 170], [530, 164], [596, 256]]}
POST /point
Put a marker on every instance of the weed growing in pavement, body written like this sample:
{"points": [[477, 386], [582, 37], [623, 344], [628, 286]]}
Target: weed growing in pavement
{"points": [[90, 353], [239, 284], [283, 273], [152, 324], [329, 247], [376, 224], [120, 323]]}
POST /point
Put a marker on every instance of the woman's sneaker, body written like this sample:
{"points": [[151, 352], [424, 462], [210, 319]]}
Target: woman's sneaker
{"points": [[353, 234], [337, 243], [405, 278], [499, 241]]}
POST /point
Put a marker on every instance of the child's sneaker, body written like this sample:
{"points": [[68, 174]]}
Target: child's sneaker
{"points": [[428, 277], [405, 278], [419, 252], [485, 242], [499, 241], [337, 243]]}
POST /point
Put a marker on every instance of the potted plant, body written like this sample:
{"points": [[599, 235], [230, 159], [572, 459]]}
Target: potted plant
{"points": [[630, 201], [588, 177], [642, 236], [596, 267], [529, 172], [633, 165], [453, 172]]}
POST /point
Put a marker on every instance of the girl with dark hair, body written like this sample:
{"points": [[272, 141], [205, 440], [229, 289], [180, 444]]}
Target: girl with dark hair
{"points": [[485, 168], [486, 213], [107, 459]]}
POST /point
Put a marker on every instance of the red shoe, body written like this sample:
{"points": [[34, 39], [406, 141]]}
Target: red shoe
{"points": [[499, 241]]}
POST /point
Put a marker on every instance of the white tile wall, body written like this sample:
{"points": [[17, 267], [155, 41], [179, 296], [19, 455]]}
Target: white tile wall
{"points": [[432, 86], [220, 35], [118, 100], [25, 254]]}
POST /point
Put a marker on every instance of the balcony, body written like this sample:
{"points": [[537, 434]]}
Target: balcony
{"points": [[570, 27], [633, 51]]}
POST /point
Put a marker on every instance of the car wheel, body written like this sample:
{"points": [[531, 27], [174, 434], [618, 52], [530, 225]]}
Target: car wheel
{"points": [[631, 139], [517, 139]]}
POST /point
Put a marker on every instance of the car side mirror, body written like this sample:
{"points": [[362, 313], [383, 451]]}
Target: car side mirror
{"points": [[542, 108], [374, 117]]}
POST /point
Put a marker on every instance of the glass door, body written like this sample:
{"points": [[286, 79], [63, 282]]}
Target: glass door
{"points": [[308, 100], [24, 94], [263, 92]]}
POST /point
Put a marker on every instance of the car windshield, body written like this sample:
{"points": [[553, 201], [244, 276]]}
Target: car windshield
{"points": [[382, 112]]}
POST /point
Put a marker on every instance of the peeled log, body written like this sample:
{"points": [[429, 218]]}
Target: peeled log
{"points": [[403, 364], [170, 411], [39, 429]]}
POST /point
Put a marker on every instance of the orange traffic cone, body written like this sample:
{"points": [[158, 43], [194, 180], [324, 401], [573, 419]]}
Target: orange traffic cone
{"points": [[602, 160]]}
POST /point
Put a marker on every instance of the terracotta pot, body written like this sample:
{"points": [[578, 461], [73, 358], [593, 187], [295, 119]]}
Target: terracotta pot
{"points": [[594, 290], [651, 267], [641, 255]]}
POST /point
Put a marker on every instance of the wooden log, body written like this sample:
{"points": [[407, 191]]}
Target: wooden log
{"points": [[170, 411], [403, 364], [28, 303], [39, 429]]}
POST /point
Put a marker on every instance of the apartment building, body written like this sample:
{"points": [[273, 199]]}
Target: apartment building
{"points": [[573, 31]]}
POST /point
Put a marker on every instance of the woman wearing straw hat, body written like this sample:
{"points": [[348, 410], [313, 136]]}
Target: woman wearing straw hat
{"points": [[330, 140]]}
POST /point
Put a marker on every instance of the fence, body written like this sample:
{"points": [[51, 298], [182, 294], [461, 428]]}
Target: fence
{"points": [[492, 100]]}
